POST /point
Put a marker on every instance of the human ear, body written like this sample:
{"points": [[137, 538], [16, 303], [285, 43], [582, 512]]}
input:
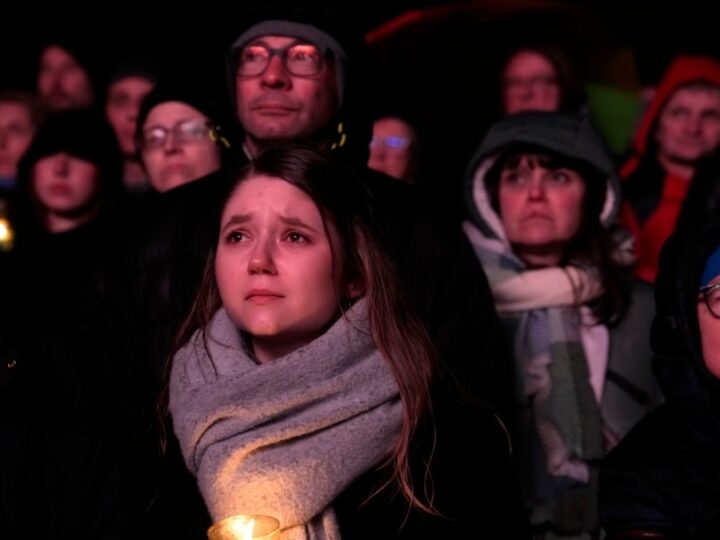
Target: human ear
{"points": [[354, 290]]}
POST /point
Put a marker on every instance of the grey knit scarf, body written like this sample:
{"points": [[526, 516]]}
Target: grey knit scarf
{"points": [[284, 438]]}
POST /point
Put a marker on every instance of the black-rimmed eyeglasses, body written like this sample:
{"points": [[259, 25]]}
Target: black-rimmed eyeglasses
{"points": [[711, 295], [300, 59]]}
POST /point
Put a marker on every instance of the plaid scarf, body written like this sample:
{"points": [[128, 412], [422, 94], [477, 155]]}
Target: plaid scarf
{"points": [[554, 393]]}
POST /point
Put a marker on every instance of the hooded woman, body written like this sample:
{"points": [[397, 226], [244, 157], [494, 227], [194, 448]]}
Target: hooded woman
{"points": [[542, 195]]}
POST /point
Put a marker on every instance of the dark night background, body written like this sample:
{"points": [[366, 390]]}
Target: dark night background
{"points": [[655, 29], [441, 74]]}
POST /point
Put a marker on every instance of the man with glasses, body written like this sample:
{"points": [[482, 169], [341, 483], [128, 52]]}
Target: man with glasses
{"points": [[285, 87]]}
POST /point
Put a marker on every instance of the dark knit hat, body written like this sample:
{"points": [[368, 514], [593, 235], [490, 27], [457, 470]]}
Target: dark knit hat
{"points": [[81, 133], [84, 50]]}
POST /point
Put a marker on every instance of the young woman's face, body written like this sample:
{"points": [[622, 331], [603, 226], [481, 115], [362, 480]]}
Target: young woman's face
{"points": [[540, 208], [65, 185], [122, 106], [275, 266]]}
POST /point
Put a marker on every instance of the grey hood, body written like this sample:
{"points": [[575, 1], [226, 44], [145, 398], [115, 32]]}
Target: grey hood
{"points": [[567, 135]]}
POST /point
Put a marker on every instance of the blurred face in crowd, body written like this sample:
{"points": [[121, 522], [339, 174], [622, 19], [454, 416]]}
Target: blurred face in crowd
{"points": [[688, 127], [540, 209], [275, 266], [121, 108], [62, 82], [176, 147], [16, 133], [286, 95], [66, 188], [709, 324], [530, 83], [392, 149]]}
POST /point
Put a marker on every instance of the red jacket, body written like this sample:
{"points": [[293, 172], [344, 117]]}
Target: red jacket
{"points": [[667, 192]]}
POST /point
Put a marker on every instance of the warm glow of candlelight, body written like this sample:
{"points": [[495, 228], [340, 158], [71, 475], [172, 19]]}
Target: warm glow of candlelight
{"points": [[6, 235], [244, 527]]}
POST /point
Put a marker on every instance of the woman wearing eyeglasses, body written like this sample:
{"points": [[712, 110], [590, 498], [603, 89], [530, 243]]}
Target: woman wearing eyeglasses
{"points": [[663, 480], [394, 148], [161, 251], [177, 137]]}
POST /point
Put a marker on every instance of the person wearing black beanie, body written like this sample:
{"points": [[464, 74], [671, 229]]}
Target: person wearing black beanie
{"points": [[69, 174], [180, 134], [68, 184], [128, 84], [66, 78]]}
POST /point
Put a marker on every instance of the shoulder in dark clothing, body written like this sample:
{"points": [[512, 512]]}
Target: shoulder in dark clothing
{"points": [[665, 475]]}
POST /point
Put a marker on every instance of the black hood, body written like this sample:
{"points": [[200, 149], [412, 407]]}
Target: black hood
{"points": [[675, 337]]}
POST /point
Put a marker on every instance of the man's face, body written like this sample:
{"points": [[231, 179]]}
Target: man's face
{"points": [[122, 106], [278, 105], [62, 82], [689, 125]]}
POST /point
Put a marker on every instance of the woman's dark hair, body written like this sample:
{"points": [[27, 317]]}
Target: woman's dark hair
{"points": [[400, 337], [593, 244]]}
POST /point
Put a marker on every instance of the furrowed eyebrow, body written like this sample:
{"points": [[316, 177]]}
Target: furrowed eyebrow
{"points": [[296, 222], [237, 219]]}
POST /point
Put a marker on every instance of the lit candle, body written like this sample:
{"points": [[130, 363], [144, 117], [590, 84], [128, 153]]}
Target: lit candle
{"points": [[6, 235], [245, 527]]}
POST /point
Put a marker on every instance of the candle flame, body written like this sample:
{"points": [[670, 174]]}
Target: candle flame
{"points": [[243, 528]]}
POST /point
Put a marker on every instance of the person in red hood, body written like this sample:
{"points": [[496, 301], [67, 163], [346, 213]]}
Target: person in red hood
{"points": [[681, 126]]}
